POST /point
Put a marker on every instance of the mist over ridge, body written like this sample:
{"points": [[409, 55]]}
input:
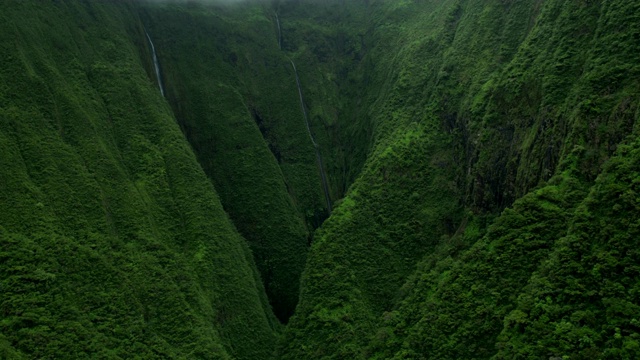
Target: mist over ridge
{"points": [[203, 2]]}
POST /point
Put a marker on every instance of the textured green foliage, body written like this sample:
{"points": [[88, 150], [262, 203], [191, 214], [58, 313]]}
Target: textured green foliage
{"points": [[454, 308], [583, 302], [511, 93], [234, 93], [327, 40], [485, 152], [235, 96], [113, 242], [363, 252]]}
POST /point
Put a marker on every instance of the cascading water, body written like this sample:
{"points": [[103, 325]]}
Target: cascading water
{"points": [[155, 63], [304, 109], [279, 32], [323, 176]]}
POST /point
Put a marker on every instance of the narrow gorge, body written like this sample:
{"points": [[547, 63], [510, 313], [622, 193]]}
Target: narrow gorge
{"points": [[320, 179]]}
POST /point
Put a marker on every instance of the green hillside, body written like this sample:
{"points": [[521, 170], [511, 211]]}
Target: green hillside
{"points": [[114, 243], [485, 105], [481, 166]]}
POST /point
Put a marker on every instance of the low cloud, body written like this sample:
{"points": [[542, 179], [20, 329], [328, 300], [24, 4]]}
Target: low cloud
{"points": [[212, 2]]}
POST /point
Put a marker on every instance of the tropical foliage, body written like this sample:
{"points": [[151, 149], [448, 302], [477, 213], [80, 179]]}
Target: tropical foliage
{"points": [[482, 158]]}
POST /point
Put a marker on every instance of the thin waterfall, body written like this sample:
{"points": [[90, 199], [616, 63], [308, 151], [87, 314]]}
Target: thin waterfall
{"points": [[323, 176], [279, 31], [304, 108], [155, 63]]}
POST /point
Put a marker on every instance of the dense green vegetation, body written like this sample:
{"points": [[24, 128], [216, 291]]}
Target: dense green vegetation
{"points": [[220, 82], [482, 158], [114, 242], [480, 104]]}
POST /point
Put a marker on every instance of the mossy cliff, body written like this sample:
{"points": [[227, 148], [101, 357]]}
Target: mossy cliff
{"points": [[482, 158]]}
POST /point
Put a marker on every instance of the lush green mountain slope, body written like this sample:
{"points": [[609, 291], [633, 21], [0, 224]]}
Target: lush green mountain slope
{"points": [[114, 243], [480, 102], [234, 96], [230, 79], [482, 158]]}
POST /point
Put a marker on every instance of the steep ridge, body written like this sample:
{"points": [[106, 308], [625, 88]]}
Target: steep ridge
{"points": [[481, 102], [470, 300], [227, 81], [113, 242], [268, 196], [487, 152], [226, 85]]}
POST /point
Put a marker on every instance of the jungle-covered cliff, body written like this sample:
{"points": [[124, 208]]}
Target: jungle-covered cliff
{"points": [[320, 179]]}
